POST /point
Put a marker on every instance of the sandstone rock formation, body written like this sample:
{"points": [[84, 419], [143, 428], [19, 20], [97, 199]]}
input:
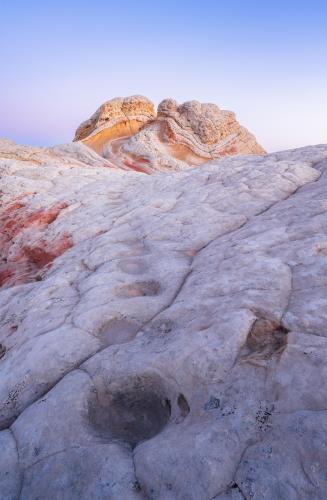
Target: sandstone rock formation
{"points": [[163, 336], [129, 134], [119, 117]]}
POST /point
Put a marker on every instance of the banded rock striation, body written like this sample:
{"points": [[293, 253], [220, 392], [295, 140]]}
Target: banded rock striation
{"points": [[131, 135], [119, 117], [176, 347]]}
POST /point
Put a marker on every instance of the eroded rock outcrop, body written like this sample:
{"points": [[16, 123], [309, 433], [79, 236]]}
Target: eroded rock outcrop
{"points": [[177, 347], [206, 130], [130, 134], [119, 117]]}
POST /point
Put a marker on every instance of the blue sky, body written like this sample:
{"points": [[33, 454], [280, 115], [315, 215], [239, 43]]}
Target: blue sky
{"points": [[267, 61]]}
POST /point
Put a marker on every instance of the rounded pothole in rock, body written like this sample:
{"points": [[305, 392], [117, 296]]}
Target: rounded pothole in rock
{"points": [[117, 331], [139, 289], [183, 405], [132, 266], [132, 410], [266, 338]]}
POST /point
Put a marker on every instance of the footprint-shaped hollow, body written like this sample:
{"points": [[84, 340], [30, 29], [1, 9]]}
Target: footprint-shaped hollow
{"points": [[139, 289], [130, 409]]}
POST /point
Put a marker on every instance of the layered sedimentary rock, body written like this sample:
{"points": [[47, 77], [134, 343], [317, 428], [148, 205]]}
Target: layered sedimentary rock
{"points": [[119, 117], [131, 135], [163, 336]]}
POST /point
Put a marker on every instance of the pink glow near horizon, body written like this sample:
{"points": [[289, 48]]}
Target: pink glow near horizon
{"points": [[266, 63]]}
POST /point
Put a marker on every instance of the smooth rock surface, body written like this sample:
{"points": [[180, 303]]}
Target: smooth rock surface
{"points": [[176, 348], [10, 474]]}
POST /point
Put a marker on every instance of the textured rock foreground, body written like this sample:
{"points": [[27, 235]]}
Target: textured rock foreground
{"points": [[129, 133], [163, 336]]}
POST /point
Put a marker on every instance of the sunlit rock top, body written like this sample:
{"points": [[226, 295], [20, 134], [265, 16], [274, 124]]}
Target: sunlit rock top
{"points": [[129, 133]]}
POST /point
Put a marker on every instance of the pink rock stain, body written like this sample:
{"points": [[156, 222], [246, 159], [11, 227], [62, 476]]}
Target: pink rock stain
{"points": [[232, 150], [25, 265], [135, 166]]}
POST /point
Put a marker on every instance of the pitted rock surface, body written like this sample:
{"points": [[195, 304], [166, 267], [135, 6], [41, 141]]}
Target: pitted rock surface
{"points": [[206, 129], [118, 111], [176, 349]]}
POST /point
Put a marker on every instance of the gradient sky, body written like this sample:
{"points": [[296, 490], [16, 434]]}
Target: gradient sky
{"points": [[265, 60]]}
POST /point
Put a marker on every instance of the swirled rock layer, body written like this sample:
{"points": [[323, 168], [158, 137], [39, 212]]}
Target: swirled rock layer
{"points": [[119, 117], [130, 134]]}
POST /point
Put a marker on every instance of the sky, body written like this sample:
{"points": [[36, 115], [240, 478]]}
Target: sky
{"points": [[264, 60]]}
